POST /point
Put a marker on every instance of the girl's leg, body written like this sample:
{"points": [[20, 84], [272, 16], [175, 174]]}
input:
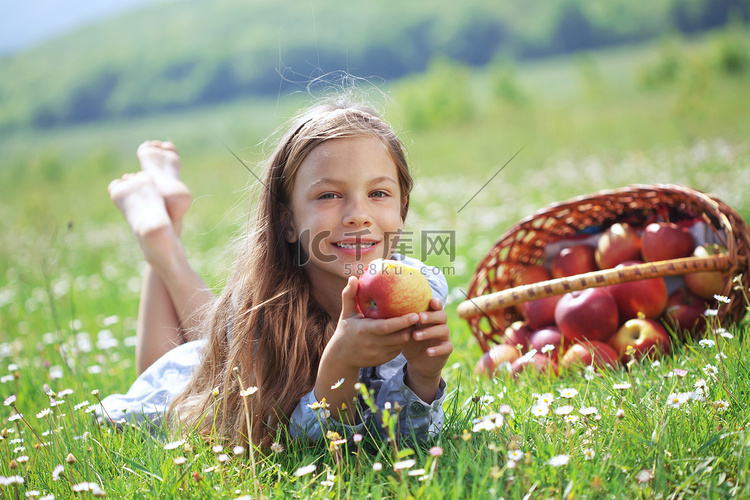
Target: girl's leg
{"points": [[172, 292], [186, 291], [158, 327]]}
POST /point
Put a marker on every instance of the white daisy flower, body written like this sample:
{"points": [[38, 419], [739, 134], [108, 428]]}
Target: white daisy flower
{"points": [[568, 393], [539, 410], [404, 464], [559, 460], [563, 410], [174, 444], [303, 471]]}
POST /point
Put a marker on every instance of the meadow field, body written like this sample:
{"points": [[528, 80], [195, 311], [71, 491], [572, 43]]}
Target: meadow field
{"points": [[675, 111]]}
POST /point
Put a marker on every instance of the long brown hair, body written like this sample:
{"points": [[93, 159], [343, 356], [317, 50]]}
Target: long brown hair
{"points": [[266, 325]]}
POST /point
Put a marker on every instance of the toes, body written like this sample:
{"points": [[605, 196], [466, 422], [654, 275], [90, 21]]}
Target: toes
{"points": [[169, 145]]}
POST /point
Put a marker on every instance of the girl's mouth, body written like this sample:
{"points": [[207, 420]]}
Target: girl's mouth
{"points": [[355, 246]]}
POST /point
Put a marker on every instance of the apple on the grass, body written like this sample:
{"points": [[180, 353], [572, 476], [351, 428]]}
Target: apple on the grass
{"points": [[589, 314], [645, 336], [576, 259], [540, 312], [550, 335], [620, 243], [706, 284], [517, 333], [589, 353], [539, 362], [389, 288], [644, 296], [494, 358], [685, 311], [666, 241]]}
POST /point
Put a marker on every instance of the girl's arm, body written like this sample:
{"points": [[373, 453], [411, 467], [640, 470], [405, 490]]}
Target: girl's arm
{"points": [[427, 352], [357, 342]]}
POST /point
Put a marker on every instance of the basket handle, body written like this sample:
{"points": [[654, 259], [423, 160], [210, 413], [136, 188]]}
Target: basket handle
{"points": [[505, 298]]}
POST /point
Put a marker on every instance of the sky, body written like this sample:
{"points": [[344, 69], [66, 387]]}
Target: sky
{"points": [[28, 22]]}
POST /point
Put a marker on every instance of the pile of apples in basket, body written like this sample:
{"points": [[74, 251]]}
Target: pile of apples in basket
{"points": [[611, 324]]}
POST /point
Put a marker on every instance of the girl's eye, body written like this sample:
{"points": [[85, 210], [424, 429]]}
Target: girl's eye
{"points": [[379, 194], [326, 196]]}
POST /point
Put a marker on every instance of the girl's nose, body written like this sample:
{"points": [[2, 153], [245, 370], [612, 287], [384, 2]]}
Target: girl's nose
{"points": [[356, 215]]}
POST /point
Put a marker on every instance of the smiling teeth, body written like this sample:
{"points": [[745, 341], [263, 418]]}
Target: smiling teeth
{"points": [[354, 245]]}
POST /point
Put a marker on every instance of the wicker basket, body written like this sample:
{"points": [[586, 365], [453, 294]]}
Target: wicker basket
{"points": [[489, 308]]}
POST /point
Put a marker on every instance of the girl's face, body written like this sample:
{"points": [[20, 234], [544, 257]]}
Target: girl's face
{"points": [[346, 205]]}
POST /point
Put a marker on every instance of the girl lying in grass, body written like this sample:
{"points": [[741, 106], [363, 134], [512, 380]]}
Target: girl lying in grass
{"points": [[334, 196]]}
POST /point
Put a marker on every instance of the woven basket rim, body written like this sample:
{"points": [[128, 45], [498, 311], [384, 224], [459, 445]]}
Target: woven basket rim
{"points": [[720, 217]]}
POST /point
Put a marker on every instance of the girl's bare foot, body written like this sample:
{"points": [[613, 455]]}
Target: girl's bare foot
{"points": [[161, 161], [139, 200]]}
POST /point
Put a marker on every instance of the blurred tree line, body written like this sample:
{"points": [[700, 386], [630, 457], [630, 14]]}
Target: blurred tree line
{"points": [[176, 55]]}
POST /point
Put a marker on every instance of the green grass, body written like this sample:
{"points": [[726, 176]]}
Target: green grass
{"points": [[69, 276]]}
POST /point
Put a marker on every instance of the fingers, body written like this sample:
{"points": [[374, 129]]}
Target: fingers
{"points": [[391, 325], [443, 349], [349, 306], [435, 317], [436, 332], [436, 304]]}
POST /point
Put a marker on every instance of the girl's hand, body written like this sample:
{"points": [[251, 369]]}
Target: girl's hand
{"points": [[358, 342], [363, 342], [427, 352]]}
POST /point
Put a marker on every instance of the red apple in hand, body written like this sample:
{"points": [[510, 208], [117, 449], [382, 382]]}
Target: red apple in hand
{"points": [[685, 311], [708, 283], [646, 337], [517, 333], [619, 243], [646, 296], [589, 353], [389, 288], [540, 312], [666, 241], [495, 357], [577, 259], [589, 314]]}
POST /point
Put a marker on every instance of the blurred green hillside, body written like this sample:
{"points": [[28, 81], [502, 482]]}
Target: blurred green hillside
{"points": [[177, 55]]}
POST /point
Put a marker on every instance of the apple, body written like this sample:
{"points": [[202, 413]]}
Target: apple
{"points": [[517, 333], [666, 241], [577, 259], [550, 335], [645, 296], [708, 283], [531, 274], [685, 311], [589, 314], [589, 353], [541, 312], [527, 276], [389, 288], [619, 243], [494, 358], [539, 362], [647, 337]]}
